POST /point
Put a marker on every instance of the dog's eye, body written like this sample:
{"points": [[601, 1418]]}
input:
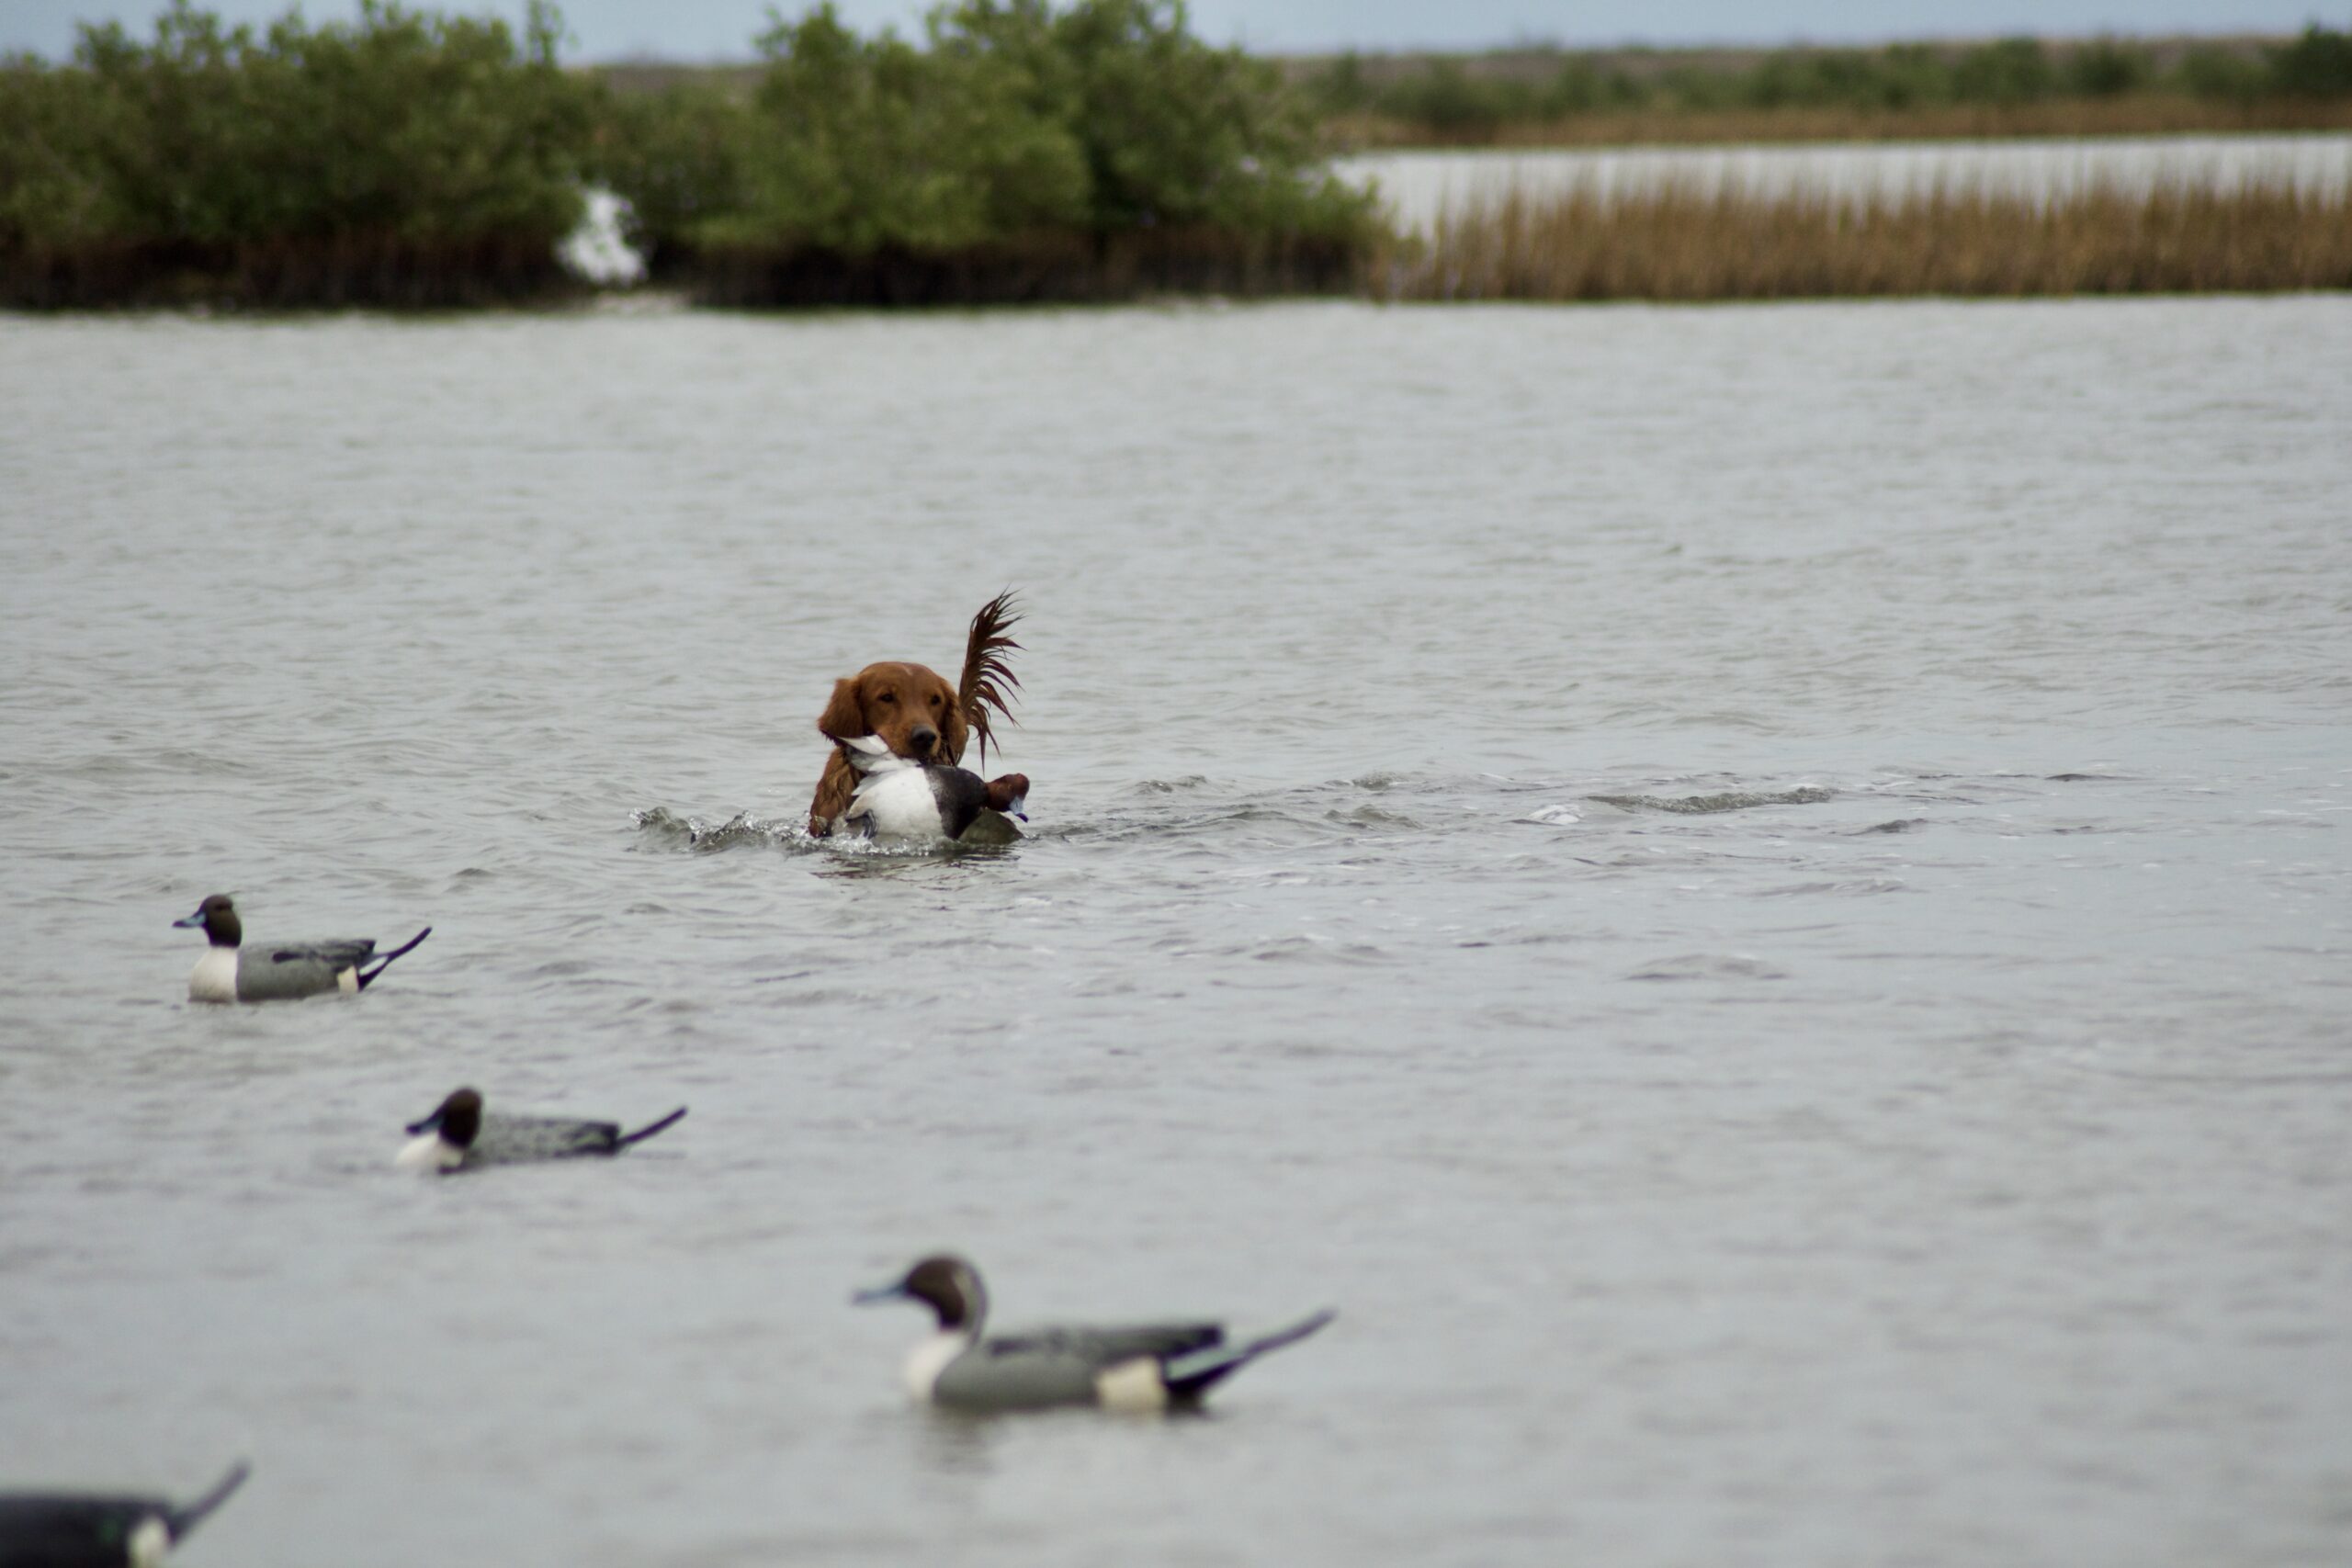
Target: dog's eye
{"points": [[934, 699], [887, 697]]}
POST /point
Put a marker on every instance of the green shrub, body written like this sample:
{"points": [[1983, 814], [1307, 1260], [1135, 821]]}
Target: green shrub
{"points": [[2221, 76], [678, 155], [2316, 65], [1015, 121], [2010, 70], [2106, 68], [346, 162]]}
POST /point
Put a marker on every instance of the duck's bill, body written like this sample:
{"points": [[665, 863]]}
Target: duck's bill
{"points": [[195, 919], [430, 1125], [879, 1293]]}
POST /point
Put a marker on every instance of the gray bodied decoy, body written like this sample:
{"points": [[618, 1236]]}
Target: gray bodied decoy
{"points": [[1151, 1366], [229, 972], [898, 797], [99, 1529], [460, 1135]]}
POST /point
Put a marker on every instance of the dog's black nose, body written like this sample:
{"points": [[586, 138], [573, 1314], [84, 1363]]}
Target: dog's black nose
{"points": [[923, 738]]}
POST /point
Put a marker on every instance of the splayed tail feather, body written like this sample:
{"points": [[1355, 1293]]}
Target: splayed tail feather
{"points": [[649, 1129], [384, 960], [1190, 1376], [989, 680], [182, 1519]]}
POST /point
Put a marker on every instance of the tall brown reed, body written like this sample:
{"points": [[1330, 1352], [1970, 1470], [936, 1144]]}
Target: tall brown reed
{"points": [[1690, 244]]}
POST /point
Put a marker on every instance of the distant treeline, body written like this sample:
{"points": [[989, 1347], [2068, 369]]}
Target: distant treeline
{"points": [[408, 160], [1518, 95], [1020, 153], [1016, 150]]}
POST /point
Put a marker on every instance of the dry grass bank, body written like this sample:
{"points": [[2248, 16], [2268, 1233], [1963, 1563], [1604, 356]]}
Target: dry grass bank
{"points": [[2145, 115], [1690, 245]]}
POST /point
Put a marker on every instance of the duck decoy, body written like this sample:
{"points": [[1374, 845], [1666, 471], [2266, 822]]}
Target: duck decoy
{"points": [[898, 797], [229, 972], [1151, 1366], [99, 1529], [460, 1135]]}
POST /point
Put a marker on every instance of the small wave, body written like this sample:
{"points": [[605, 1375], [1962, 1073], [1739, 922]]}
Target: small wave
{"points": [[1704, 805], [748, 828], [1185, 785], [1900, 825], [743, 827], [1553, 816], [1369, 817], [1315, 950], [1852, 885], [1708, 966]]}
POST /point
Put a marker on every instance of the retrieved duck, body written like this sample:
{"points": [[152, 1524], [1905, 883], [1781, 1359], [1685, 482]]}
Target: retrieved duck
{"points": [[96, 1530], [898, 797], [283, 971], [1134, 1367], [459, 1134]]}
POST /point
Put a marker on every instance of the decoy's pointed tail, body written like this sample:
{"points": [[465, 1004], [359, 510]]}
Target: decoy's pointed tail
{"points": [[989, 683], [182, 1519], [1190, 1376], [384, 960], [649, 1129]]}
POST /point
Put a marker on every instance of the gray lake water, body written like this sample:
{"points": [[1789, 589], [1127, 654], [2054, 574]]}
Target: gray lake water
{"points": [[1759, 896]]}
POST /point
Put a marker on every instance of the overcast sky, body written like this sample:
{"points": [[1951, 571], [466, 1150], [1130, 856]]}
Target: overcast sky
{"points": [[722, 29]]}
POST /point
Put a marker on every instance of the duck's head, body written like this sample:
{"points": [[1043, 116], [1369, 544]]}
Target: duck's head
{"points": [[1009, 793], [457, 1120], [946, 1284], [218, 916]]}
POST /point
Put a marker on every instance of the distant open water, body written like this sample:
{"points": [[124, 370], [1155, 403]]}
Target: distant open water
{"points": [[1418, 185], [1758, 896]]}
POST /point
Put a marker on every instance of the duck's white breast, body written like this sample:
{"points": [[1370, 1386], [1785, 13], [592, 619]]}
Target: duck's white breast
{"points": [[929, 1359], [901, 805], [214, 978], [429, 1153]]}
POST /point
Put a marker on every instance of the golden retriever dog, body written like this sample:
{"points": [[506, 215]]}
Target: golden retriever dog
{"points": [[913, 710]]}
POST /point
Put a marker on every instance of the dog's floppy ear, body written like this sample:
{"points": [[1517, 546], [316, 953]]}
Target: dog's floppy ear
{"points": [[952, 729], [845, 714]]}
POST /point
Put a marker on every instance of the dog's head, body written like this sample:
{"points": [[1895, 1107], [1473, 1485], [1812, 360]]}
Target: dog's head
{"points": [[911, 706]]}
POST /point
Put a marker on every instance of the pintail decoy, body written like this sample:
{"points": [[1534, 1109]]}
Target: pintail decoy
{"points": [[898, 797], [460, 1134], [283, 971], [97, 1530], [1151, 1366]]}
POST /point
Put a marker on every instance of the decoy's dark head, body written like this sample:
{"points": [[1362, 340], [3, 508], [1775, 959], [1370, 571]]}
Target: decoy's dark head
{"points": [[948, 1285], [218, 916], [459, 1120], [1009, 793]]}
